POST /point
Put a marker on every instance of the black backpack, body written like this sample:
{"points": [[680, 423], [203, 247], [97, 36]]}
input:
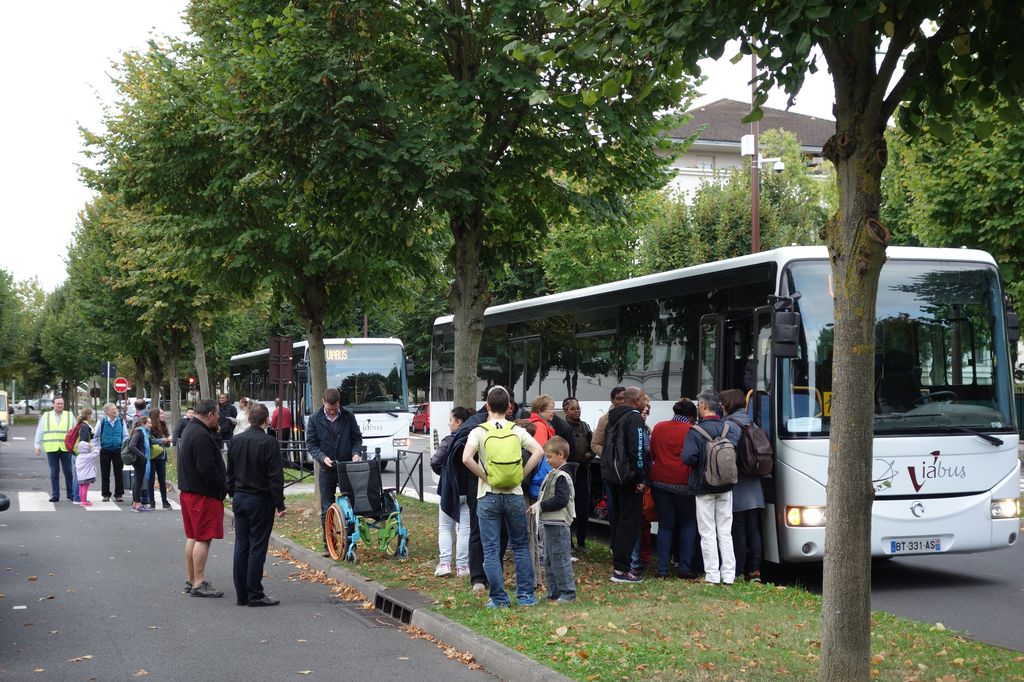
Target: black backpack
{"points": [[754, 456], [617, 466]]}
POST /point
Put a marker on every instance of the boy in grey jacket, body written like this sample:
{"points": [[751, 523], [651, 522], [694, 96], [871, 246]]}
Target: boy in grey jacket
{"points": [[556, 507]]}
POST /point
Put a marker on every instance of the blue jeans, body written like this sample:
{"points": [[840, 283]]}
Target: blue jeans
{"points": [[677, 513], [74, 478], [57, 461], [493, 511]]}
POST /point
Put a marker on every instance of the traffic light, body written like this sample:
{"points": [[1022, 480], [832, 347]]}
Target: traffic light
{"points": [[191, 382]]}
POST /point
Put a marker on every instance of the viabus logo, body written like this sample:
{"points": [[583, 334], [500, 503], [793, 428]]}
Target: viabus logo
{"points": [[919, 475]]}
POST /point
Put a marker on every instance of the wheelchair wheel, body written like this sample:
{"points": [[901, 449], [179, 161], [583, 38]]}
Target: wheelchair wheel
{"points": [[336, 533]]}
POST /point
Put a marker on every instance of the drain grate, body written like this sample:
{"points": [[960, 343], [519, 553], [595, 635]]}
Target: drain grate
{"points": [[371, 618], [399, 603]]}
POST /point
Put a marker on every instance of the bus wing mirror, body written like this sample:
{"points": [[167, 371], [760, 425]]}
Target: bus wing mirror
{"points": [[408, 367], [1012, 326], [786, 334]]}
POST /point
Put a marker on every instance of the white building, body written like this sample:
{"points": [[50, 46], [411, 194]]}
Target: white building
{"points": [[717, 148]]}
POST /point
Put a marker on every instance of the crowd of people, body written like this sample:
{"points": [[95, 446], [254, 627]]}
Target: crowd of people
{"points": [[520, 480], [252, 475]]}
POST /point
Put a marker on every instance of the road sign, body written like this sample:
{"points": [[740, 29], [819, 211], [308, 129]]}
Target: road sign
{"points": [[121, 385], [108, 369], [94, 392]]}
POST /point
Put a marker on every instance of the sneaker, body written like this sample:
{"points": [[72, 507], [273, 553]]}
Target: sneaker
{"points": [[152, 505], [106, 498], [462, 571], [709, 581], [686, 575], [443, 570], [85, 504], [167, 505], [565, 600], [188, 588], [628, 577], [54, 499], [755, 577], [479, 588], [118, 499], [492, 605], [75, 502], [205, 589], [527, 601]]}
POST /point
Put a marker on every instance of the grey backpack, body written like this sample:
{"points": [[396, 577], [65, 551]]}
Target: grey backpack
{"points": [[719, 459]]}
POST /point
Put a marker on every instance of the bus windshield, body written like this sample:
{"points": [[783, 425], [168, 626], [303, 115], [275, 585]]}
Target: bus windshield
{"points": [[940, 351], [369, 377]]}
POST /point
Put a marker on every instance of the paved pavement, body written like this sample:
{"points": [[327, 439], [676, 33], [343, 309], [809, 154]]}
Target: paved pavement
{"points": [[96, 594]]}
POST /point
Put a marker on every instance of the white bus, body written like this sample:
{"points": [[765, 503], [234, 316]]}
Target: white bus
{"points": [[945, 448], [372, 376]]}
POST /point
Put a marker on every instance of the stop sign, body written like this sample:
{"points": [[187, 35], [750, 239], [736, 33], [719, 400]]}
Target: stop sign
{"points": [[121, 385]]}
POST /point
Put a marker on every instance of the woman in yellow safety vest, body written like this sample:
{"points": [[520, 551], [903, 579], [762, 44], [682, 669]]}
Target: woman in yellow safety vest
{"points": [[50, 432]]}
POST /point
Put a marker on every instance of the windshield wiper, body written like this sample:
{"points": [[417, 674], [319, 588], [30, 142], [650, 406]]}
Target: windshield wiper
{"points": [[963, 429]]}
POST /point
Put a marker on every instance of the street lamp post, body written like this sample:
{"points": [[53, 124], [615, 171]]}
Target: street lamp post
{"points": [[755, 171]]}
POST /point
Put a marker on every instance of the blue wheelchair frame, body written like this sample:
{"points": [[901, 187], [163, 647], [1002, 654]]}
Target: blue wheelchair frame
{"points": [[381, 528]]}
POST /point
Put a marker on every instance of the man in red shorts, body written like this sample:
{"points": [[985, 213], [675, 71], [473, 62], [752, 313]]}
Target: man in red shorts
{"points": [[202, 480]]}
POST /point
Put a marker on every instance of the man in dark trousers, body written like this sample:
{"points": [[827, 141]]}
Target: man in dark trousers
{"points": [[256, 486], [332, 436], [228, 418], [202, 481], [625, 500]]}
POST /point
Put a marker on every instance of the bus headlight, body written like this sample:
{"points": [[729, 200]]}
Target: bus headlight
{"points": [[805, 517], [401, 442], [1008, 508]]}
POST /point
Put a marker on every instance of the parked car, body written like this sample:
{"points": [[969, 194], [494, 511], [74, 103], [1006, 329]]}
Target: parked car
{"points": [[421, 419]]}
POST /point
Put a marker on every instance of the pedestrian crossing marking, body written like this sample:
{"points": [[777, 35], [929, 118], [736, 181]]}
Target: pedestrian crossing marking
{"points": [[29, 501], [40, 502]]}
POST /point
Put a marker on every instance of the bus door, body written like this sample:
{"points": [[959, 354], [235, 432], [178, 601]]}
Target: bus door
{"points": [[524, 370], [709, 351], [737, 351]]}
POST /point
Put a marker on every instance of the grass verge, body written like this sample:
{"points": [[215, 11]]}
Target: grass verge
{"points": [[665, 629]]}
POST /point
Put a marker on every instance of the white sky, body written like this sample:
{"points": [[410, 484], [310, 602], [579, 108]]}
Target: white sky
{"points": [[55, 78]]}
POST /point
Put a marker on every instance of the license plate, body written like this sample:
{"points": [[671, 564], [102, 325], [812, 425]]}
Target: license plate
{"points": [[914, 545]]}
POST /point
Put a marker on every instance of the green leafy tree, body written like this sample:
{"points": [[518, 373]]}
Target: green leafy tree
{"points": [[949, 52], [967, 192]]}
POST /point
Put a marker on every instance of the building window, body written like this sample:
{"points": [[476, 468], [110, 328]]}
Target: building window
{"points": [[706, 162]]}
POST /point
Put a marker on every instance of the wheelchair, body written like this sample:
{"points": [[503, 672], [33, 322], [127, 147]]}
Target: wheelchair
{"points": [[364, 511]]}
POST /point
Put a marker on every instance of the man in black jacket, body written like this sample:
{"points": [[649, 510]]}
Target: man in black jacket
{"points": [[202, 481], [625, 500], [256, 485], [332, 435], [228, 418]]}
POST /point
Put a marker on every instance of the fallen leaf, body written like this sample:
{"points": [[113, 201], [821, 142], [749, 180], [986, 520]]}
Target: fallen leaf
{"points": [[79, 659], [49, 596], [877, 658], [940, 627], [301, 641], [957, 661], [140, 673], [53, 632], [561, 631], [305, 672], [39, 670], [32, 578]]}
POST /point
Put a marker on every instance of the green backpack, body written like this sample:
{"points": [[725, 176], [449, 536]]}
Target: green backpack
{"points": [[503, 460]]}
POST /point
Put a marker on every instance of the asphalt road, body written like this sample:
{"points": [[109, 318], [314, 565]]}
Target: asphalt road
{"points": [[96, 594]]}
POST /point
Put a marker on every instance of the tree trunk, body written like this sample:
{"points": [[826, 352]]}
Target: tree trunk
{"points": [[469, 297], [174, 392], [195, 330], [318, 383], [856, 243]]}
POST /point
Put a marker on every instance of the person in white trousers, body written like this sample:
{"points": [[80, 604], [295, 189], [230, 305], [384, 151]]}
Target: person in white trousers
{"points": [[714, 503]]}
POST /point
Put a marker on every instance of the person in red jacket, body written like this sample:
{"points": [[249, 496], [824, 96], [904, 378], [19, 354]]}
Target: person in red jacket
{"points": [[669, 480]]}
